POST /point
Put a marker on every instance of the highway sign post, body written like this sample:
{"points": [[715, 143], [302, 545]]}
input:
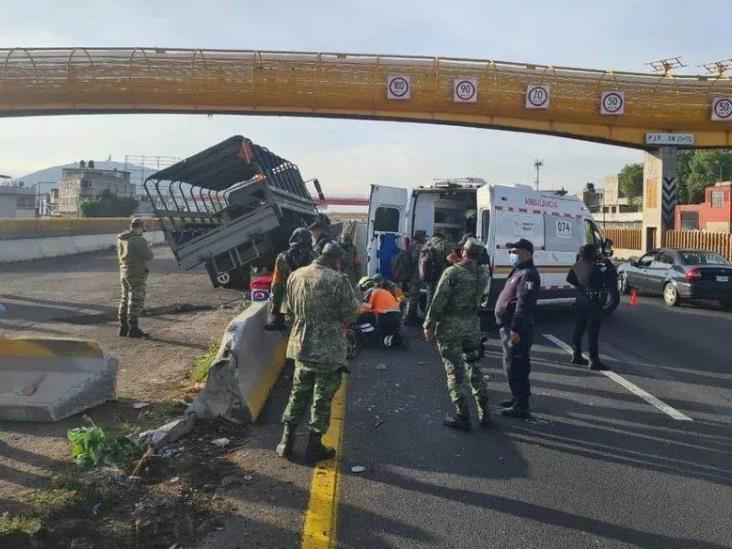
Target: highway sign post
{"points": [[465, 90], [537, 96], [612, 103], [398, 87]]}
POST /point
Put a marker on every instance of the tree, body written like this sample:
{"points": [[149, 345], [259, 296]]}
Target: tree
{"points": [[630, 181], [700, 169], [109, 204]]}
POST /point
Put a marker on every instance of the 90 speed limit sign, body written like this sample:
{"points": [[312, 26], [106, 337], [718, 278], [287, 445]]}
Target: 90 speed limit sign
{"points": [[612, 102], [722, 109], [537, 96], [465, 90], [398, 86]]}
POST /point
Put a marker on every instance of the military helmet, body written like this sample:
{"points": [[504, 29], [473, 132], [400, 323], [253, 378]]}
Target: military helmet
{"points": [[366, 283], [137, 223], [333, 250], [301, 236], [474, 247]]}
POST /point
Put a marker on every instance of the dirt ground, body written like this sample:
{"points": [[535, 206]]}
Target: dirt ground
{"points": [[183, 497]]}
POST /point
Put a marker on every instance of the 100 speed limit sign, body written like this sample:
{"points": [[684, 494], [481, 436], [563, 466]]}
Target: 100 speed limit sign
{"points": [[398, 86]]}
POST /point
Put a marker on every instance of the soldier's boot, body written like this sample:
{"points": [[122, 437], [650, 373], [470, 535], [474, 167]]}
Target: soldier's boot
{"points": [[507, 403], [284, 448], [596, 364], [460, 420], [315, 451], [412, 316], [135, 332], [578, 359], [484, 414], [124, 327]]}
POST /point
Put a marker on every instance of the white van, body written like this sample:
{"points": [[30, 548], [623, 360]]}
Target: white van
{"points": [[496, 214]]}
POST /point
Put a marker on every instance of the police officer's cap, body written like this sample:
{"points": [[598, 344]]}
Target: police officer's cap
{"points": [[333, 250], [521, 244]]}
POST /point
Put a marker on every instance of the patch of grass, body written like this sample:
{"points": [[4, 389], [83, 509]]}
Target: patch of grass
{"points": [[18, 523], [49, 502], [203, 364]]}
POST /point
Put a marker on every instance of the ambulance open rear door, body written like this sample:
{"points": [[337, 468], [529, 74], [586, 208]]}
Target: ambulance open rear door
{"points": [[387, 223]]}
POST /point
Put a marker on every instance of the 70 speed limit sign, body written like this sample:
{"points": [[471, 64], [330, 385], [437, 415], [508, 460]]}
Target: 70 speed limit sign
{"points": [[537, 96]]}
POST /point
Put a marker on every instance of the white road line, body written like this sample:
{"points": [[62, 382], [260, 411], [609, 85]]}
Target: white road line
{"points": [[633, 388]]}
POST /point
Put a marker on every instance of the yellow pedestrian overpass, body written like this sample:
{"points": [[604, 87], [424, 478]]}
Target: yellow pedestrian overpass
{"points": [[605, 106]]}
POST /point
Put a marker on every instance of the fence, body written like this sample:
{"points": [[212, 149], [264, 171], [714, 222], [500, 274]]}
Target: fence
{"points": [[625, 239], [720, 243], [11, 229]]}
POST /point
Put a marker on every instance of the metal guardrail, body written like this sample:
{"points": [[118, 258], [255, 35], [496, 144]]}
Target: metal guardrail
{"points": [[45, 227]]}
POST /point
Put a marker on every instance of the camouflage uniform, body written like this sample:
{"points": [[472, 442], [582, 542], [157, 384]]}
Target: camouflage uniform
{"points": [[133, 253], [453, 317], [351, 261], [413, 284], [320, 300], [280, 276]]}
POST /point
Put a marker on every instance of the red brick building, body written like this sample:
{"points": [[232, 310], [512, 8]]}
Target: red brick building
{"points": [[712, 215]]}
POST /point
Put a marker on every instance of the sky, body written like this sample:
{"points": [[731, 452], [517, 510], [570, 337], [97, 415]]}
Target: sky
{"points": [[347, 156]]}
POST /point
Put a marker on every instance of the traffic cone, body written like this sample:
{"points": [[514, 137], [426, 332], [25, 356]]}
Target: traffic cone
{"points": [[634, 298]]}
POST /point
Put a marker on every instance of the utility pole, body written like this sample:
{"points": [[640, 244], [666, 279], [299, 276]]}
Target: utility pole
{"points": [[538, 164]]}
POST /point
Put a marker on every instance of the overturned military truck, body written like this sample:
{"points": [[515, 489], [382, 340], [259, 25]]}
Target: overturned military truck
{"points": [[230, 207]]}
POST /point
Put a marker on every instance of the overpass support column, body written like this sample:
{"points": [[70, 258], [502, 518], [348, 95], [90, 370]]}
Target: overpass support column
{"points": [[659, 195]]}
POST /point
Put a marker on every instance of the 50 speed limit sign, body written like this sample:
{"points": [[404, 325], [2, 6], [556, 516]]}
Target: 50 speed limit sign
{"points": [[612, 102], [722, 109], [398, 86], [537, 96], [465, 90]]}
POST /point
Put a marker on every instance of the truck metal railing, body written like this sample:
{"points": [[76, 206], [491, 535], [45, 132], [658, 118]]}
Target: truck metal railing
{"points": [[229, 207]]}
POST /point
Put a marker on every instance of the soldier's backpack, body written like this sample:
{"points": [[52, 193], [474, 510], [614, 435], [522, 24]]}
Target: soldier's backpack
{"points": [[430, 266]]}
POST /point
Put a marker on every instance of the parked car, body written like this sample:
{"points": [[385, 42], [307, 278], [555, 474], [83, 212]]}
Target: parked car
{"points": [[679, 275]]}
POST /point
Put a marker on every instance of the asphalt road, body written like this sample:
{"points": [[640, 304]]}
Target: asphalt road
{"points": [[597, 466]]}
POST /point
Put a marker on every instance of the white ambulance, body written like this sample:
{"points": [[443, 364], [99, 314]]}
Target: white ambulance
{"points": [[496, 214]]}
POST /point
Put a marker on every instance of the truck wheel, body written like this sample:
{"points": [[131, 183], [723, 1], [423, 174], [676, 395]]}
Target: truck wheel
{"points": [[671, 295]]}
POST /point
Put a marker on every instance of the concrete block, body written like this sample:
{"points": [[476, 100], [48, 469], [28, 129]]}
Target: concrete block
{"points": [[246, 368], [46, 379], [170, 432]]}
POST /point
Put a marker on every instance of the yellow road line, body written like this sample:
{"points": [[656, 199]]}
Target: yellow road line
{"points": [[322, 514]]}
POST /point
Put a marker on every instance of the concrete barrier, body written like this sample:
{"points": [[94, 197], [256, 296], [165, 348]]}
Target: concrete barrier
{"points": [[27, 249], [46, 379], [246, 367]]}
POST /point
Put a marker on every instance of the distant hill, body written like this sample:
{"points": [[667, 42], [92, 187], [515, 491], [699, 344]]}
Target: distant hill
{"points": [[51, 177]]}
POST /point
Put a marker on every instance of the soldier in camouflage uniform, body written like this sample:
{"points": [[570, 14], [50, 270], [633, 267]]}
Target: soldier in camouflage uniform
{"points": [[133, 253], [351, 260], [299, 254], [413, 284], [453, 320], [320, 301]]}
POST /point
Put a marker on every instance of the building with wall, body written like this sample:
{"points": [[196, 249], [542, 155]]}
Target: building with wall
{"points": [[87, 183], [712, 215], [610, 209], [17, 202]]}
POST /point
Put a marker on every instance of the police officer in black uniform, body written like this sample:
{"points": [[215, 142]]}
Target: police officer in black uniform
{"points": [[589, 277], [515, 318]]}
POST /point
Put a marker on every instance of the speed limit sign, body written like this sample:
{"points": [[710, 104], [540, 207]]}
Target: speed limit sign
{"points": [[722, 109], [398, 86], [612, 102], [537, 96], [465, 90]]}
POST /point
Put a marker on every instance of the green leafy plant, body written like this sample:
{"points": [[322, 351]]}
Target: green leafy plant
{"points": [[91, 446]]}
